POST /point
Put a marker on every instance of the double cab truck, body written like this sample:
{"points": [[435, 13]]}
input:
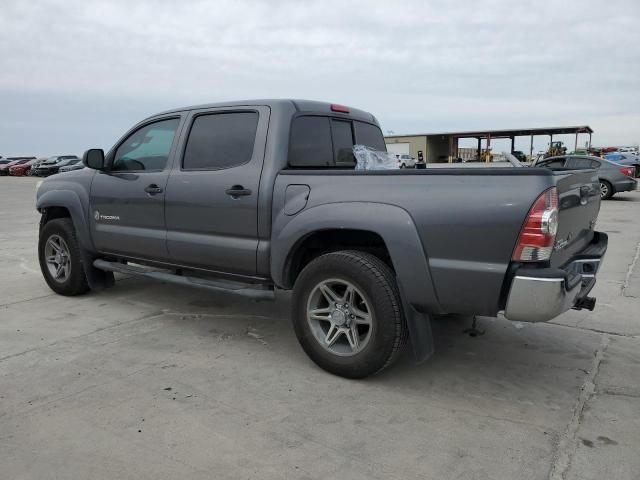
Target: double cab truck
{"points": [[251, 197]]}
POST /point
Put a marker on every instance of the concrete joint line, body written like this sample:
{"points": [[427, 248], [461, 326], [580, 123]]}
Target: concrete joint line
{"points": [[84, 335], [632, 265], [567, 445]]}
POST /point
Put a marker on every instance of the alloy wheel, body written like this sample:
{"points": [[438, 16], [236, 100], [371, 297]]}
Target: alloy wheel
{"points": [[339, 317], [58, 258]]}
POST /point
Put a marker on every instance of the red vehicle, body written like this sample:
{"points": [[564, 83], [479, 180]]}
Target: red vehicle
{"points": [[4, 169], [21, 169]]}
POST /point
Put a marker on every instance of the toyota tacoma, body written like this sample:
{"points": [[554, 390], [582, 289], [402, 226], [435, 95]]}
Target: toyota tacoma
{"points": [[255, 196]]}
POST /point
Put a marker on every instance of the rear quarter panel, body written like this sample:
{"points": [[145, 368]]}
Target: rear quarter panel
{"points": [[467, 223]]}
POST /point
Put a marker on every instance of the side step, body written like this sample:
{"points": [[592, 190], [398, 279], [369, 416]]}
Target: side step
{"points": [[261, 292]]}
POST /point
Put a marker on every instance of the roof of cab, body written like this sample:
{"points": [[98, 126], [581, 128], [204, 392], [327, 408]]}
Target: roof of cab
{"points": [[311, 106]]}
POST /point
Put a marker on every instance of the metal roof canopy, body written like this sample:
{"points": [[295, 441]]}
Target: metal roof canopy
{"points": [[488, 135], [520, 132]]}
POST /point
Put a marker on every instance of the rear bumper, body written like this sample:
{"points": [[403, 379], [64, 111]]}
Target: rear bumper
{"points": [[538, 295], [626, 185]]}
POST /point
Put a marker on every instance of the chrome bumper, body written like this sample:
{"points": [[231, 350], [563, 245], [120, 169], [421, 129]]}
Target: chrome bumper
{"points": [[538, 295]]}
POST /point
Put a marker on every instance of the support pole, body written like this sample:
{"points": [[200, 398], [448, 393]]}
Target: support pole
{"points": [[479, 148], [531, 148], [589, 141], [450, 149], [576, 143], [488, 159], [513, 146]]}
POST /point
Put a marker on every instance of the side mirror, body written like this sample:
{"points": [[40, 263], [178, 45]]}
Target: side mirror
{"points": [[94, 158]]}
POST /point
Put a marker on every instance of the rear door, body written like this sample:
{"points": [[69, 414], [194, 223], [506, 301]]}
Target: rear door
{"points": [[127, 201], [212, 193]]}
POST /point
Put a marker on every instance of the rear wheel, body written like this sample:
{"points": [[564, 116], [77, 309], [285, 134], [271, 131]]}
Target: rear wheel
{"points": [[347, 314], [60, 258], [606, 190]]}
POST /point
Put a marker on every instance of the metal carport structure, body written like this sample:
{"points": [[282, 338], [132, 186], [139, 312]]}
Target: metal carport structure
{"points": [[488, 135]]}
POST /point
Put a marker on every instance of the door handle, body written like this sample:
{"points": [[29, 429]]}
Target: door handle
{"points": [[237, 191], [153, 189]]}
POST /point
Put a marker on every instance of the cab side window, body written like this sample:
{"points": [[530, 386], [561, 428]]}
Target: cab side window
{"points": [[147, 148]]}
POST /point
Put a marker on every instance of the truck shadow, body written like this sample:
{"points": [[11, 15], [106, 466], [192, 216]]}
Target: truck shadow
{"points": [[506, 361]]}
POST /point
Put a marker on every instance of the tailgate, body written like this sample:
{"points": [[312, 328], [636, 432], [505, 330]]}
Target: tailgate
{"points": [[579, 204]]}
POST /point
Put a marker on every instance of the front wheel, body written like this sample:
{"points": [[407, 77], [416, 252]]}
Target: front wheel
{"points": [[606, 190], [60, 258], [347, 314]]}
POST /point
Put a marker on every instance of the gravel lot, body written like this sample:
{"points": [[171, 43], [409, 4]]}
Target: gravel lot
{"points": [[150, 380]]}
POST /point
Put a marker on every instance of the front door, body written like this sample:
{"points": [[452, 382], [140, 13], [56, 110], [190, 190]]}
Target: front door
{"points": [[212, 195], [127, 200]]}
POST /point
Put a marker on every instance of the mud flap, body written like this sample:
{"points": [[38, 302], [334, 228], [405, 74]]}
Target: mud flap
{"points": [[97, 279], [419, 325]]}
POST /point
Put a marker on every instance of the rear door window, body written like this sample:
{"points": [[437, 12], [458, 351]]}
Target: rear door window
{"points": [[579, 163], [551, 163], [220, 140]]}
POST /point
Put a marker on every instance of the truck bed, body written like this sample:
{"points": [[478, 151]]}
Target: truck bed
{"points": [[468, 220]]}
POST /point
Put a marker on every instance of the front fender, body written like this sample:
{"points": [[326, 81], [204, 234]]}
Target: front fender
{"points": [[393, 224], [70, 200]]}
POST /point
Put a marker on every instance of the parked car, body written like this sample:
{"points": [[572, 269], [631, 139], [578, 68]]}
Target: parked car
{"points": [[633, 150], [21, 169], [46, 169], [4, 169], [273, 201], [405, 160], [70, 168], [628, 159], [613, 177], [47, 162]]}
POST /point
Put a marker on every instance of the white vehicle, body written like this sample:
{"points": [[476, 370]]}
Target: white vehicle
{"points": [[405, 160], [633, 150]]}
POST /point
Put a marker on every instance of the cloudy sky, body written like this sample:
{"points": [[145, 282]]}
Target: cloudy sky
{"points": [[75, 74]]}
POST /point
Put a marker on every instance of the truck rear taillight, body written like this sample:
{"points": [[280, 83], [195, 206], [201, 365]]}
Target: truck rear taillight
{"points": [[538, 234], [628, 171]]}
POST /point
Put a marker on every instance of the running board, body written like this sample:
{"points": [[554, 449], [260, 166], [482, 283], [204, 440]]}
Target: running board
{"points": [[261, 292]]}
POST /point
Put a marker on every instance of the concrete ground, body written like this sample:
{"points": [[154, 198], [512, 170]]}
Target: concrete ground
{"points": [[149, 380]]}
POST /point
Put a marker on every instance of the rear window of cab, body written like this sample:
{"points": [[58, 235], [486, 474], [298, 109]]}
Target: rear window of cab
{"points": [[322, 141]]}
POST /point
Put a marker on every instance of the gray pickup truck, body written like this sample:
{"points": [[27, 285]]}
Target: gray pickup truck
{"points": [[251, 197]]}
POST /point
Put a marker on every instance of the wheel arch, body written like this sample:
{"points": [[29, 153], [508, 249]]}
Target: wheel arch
{"points": [[319, 242], [65, 203], [390, 228]]}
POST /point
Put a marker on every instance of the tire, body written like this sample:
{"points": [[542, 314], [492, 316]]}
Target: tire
{"points": [[73, 280], [379, 343], [606, 190]]}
